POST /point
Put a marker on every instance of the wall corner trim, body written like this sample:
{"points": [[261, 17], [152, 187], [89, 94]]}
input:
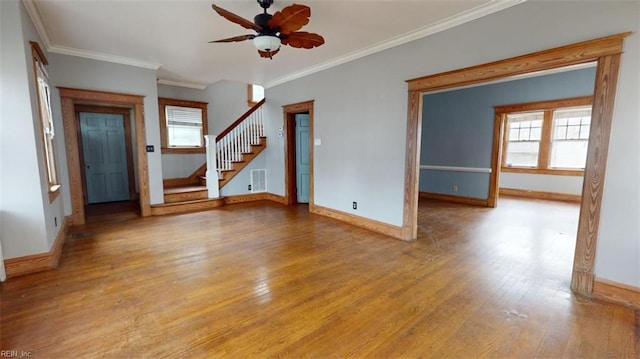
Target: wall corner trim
{"points": [[42, 261]]}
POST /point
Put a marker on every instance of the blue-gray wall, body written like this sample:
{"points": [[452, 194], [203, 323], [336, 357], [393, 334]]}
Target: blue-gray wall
{"points": [[457, 126]]}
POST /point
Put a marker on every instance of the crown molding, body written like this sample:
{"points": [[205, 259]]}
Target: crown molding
{"points": [[191, 85], [64, 50], [467, 16], [41, 29], [34, 14]]}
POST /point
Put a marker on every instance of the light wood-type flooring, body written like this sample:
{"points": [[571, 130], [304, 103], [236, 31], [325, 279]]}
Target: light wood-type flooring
{"points": [[263, 280]]}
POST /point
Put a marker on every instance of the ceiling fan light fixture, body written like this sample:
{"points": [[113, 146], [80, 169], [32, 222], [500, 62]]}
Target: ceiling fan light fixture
{"points": [[266, 43]]}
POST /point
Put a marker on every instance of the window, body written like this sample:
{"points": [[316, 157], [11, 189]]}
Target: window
{"points": [[183, 125], [525, 132], [546, 137], [255, 94], [570, 137], [46, 119]]}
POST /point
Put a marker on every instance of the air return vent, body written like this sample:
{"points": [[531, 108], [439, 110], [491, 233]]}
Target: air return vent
{"points": [[258, 180]]}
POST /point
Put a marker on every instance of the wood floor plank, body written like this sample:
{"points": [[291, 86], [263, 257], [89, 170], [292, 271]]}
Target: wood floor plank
{"points": [[264, 280]]}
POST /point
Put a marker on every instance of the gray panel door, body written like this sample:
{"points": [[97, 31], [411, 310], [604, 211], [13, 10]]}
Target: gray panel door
{"points": [[302, 157], [105, 157]]}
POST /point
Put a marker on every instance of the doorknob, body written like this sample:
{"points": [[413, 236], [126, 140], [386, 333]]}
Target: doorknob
{"points": [[88, 166]]}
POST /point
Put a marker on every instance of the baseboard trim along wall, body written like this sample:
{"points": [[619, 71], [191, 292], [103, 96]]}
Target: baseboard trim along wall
{"points": [[617, 293], [456, 199], [275, 198], [541, 195], [39, 262], [366, 223]]}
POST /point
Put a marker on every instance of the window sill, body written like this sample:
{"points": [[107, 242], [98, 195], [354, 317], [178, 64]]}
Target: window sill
{"points": [[543, 171], [54, 192], [183, 150]]}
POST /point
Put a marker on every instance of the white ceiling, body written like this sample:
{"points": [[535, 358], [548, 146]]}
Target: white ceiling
{"points": [[173, 35]]}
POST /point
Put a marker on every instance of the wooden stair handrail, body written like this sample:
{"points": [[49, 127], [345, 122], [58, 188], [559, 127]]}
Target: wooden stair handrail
{"points": [[239, 120]]}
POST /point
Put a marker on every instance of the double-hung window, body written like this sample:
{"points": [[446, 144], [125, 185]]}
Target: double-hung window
{"points": [[183, 125], [570, 137], [523, 139], [46, 119], [546, 137]]}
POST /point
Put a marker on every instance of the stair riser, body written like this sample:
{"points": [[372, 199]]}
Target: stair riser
{"points": [[185, 196], [187, 207]]}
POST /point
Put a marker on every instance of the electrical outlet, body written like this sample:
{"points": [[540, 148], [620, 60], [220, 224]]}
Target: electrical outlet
{"points": [[455, 188], [249, 187], [355, 205]]}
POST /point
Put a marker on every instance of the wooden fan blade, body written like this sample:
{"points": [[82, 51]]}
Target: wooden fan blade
{"points": [[236, 19], [235, 38], [268, 55], [302, 39], [290, 19]]}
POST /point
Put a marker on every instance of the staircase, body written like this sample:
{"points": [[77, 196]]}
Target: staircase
{"points": [[234, 149]]}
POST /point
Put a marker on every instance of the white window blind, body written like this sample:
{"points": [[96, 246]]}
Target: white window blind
{"points": [[184, 126]]}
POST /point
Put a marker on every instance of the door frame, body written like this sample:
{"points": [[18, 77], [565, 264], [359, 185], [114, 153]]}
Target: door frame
{"points": [[69, 97], [126, 118], [606, 52], [289, 113]]}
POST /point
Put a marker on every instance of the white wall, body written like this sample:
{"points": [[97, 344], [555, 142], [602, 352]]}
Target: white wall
{"points": [[76, 72], [181, 165], [24, 203], [542, 183], [227, 102], [239, 183], [361, 109], [618, 251]]}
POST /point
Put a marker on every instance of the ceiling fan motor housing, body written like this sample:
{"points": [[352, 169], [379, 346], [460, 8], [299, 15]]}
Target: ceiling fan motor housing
{"points": [[262, 20]]}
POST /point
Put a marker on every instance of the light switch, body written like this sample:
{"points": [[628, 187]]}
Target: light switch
{"points": [[317, 141]]}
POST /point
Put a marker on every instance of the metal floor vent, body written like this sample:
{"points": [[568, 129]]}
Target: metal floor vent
{"points": [[258, 180]]}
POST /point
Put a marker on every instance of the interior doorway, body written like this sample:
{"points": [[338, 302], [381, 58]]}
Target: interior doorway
{"points": [[298, 132], [606, 52], [70, 98], [106, 153]]}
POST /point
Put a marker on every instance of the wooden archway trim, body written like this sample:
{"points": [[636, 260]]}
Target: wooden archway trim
{"points": [[606, 51], [69, 97]]}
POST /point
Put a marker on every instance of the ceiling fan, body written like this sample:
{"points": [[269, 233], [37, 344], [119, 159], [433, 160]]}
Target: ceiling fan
{"points": [[274, 30]]}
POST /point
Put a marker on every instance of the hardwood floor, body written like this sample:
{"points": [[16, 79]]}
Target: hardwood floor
{"points": [[112, 211], [264, 280]]}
